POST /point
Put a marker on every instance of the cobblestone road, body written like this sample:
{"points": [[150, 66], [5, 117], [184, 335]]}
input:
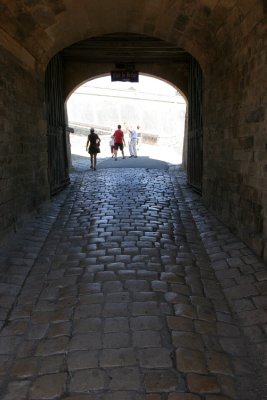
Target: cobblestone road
{"points": [[124, 287]]}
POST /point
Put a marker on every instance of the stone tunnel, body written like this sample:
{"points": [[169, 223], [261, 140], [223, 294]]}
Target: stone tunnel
{"points": [[213, 51], [81, 40]]}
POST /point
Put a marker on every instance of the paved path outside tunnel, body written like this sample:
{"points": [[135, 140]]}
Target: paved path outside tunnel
{"points": [[124, 287]]}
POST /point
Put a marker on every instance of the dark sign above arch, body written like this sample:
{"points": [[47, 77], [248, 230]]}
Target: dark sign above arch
{"points": [[125, 76]]}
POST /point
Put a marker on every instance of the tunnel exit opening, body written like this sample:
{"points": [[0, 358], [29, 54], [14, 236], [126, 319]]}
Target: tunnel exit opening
{"points": [[156, 106]]}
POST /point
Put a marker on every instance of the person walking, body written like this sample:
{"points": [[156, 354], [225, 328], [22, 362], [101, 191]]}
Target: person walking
{"points": [[111, 144], [93, 147], [133, 143], [139, 137], [119, 142]]}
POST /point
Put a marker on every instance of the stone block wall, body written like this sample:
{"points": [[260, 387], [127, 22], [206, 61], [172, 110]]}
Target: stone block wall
{"points": [[23, 144], [228, 38], [235, 136]]}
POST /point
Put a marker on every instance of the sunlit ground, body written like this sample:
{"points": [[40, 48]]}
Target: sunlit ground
{"points": [[162, 153]]}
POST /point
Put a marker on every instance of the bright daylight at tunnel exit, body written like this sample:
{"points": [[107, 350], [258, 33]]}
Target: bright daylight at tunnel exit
{"points": [[157, 107]]}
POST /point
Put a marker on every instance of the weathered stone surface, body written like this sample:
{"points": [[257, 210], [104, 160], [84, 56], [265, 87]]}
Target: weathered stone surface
{"points": [[125, 330], [51, 364], [180, 323], [191, 361], [117, 324], [124, 378], [146, 323], [253, 317], [187, 340], [25, 368], [184, 310], [162, 381], [24, 187], [48, 386], [117, 357], [82, 360], [155, 358], [92, 379], [219, 363], [52, 346], [17, 390], [202, 383], [183, 396]]}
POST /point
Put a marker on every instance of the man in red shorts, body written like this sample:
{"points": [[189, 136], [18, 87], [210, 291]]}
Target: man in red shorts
{"points": [[119, 142]]}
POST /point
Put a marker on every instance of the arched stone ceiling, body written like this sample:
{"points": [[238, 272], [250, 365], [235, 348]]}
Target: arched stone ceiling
{"points": [[203, 28]]}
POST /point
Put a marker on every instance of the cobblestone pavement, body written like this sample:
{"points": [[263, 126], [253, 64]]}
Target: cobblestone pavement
{"points": [[124, 287]]}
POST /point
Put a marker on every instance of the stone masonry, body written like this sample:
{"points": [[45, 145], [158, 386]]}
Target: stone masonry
{"points": [[23, 151], [125, 287], [226, 37]]}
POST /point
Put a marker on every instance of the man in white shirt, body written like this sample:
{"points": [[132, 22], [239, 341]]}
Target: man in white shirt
{"points": [[133, 143], [139, 137]]}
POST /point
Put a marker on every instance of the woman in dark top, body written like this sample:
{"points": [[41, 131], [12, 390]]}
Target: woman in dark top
{"points": [[93, 147]]}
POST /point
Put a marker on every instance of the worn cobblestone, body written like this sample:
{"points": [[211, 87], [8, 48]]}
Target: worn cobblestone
{"points": [[132, 291]]}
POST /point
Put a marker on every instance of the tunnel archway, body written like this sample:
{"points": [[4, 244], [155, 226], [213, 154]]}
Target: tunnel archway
{"points": [[122, 51], [157, 106], [99, 55], [227, 40]]}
